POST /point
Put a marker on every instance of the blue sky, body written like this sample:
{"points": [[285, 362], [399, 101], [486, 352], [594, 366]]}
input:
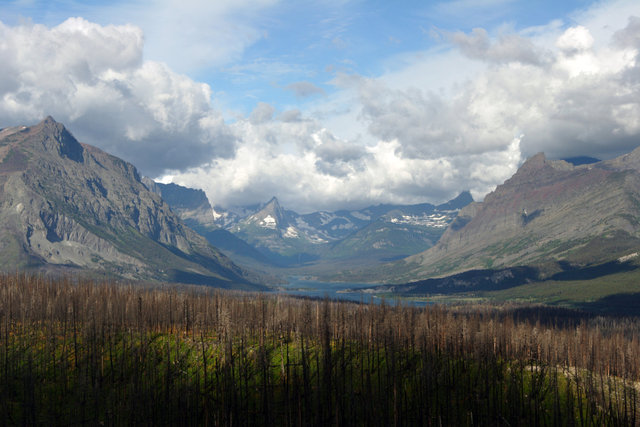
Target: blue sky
{"points": [[328, 104], [303, 41]]}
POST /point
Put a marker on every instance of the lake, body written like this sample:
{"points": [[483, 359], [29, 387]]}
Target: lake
{"points": [[316, 289]]}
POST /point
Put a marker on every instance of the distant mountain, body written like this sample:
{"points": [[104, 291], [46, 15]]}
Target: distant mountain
{"points": [[378, 233], [280, 234], [194, 209], [70, 207], [396, 234], [190, 204], [265, 235], [551, 215], [458, 203]]}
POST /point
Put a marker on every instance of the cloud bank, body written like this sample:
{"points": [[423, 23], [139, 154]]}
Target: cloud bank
{"points": [[565, 90]]}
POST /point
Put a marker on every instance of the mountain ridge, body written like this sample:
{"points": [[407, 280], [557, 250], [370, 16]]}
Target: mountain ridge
{"points": [[285, 238]]}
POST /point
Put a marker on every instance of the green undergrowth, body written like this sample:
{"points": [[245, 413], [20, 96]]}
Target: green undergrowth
{"points": [[52, 377], [80, 353]]}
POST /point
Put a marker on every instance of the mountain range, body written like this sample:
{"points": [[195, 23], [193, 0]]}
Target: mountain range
{"points": [[270, 234], [69, 207]]}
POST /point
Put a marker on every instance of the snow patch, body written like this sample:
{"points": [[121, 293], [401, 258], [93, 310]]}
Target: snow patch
{"points": [[291, 233], [326, 218], [268, 222], [436, 220], [216, 215]]}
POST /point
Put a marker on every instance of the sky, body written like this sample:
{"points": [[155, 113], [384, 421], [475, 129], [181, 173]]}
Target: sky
{"points": [[336, 104]]}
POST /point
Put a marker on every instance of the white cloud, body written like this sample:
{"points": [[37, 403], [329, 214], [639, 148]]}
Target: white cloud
{"points": [[308, 168], [93, 79], [508, 47], [461, 116], [574, 40], [443, 121]]}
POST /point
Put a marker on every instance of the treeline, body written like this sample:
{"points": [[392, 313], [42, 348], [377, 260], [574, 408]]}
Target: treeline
{"points": [[75, 352]]}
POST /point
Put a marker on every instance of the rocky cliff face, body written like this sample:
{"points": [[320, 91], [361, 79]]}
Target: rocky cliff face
{"points": [[548, 212], [66, 205], [191, 205]]}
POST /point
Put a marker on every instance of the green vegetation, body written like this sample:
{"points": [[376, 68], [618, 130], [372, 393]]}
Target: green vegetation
{"points": [[591, 293], [74, 352]]}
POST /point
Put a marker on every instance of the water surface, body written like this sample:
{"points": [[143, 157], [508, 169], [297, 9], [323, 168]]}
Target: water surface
{"points": [[332, 290]]}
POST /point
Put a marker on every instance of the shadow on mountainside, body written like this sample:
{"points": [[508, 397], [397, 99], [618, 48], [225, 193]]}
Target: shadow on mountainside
{"points": [[471, 281], [592, 272], [494, 280]]}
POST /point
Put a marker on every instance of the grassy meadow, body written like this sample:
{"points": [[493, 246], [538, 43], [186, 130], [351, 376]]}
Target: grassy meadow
{"points": [[76, 352]]}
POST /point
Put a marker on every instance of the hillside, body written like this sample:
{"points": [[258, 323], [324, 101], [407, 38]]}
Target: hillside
{"points": [[550, 214]]}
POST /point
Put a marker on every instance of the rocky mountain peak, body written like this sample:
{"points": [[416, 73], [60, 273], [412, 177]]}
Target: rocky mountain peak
{"points": [[273, 204], [270, 216], [55, 138], [533, 165], [463, 199], [536, 170], [68, 205], [625, 162]]}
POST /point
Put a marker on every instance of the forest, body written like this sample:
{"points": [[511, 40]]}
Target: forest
{"points": [[79, 352]]}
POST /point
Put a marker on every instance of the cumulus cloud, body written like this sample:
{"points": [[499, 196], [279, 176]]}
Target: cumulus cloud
{"points": [[94, 79], [422, 133], [629, 36], [570, 91], [308, 168], [582, 100], [575, 40]]}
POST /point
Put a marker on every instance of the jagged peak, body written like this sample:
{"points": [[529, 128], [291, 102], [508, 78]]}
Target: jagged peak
{"points": [[57, 138], [458, 202], [535, 162], [272, 206], [273, 201], [48, 123], [49, 120], [270, 214], [538, 163], [626, 161]]}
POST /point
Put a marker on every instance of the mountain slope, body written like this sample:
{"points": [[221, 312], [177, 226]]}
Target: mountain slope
{"points": [[550, 214], [67, 206]]}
